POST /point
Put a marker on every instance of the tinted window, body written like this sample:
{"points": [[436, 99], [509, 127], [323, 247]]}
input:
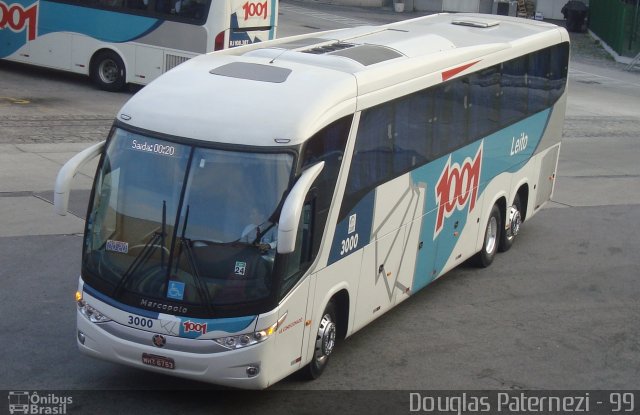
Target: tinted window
{"points": [[484, 94], [400, 135], [558, 68], [450, 122], [186, 11], [537, 74], [513, 83], [372, 158], [327, 145], [413, 131]]}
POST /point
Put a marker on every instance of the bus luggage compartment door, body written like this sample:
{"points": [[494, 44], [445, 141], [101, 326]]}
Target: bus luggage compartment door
{"points": [[379, 276], [547, 177]]}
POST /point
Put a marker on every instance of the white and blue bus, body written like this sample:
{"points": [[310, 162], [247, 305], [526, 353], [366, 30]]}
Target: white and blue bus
{"points": [[117, 42], [237, 240]]}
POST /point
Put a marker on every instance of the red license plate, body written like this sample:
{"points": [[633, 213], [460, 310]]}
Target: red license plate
{"points": [[158, 361]]}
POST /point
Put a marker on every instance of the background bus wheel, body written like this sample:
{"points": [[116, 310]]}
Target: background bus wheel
{"points": [[107, 71], [325, 342], [514, 219], [492, 233]]}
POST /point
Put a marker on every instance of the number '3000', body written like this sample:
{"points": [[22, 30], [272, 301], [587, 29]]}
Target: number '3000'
{"points": [[349, 244], [140, 321]]}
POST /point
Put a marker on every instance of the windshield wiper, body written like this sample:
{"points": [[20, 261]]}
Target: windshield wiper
{"points": [[262, 232], [272, 221], [186, 243], [146, 252]]}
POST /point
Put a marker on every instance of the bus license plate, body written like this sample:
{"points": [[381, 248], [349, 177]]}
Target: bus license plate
{"points": [[158, 361]]}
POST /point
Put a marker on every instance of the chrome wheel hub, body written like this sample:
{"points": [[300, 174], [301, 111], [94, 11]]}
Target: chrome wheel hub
{"points": [[515, 220], [326, 338], [491, 235], [108, 71]]}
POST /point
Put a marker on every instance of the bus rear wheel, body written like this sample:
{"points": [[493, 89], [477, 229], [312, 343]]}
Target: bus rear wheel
{"points": [[511, 225], [108, 72], [325, 343], [492, 235]]}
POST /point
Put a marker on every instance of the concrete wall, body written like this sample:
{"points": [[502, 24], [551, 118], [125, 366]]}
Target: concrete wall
{"points": [[550, 9], [358, 3], [469, 6]]}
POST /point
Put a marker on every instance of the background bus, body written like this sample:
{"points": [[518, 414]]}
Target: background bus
{"points": [[386, 157], [128, 41]]}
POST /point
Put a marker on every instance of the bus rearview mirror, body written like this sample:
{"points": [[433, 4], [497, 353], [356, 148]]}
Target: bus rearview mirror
{"points": [[292, 209], [66, 174]]}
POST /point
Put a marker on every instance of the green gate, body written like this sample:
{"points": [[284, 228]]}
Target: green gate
{"points": [[617, 22]]}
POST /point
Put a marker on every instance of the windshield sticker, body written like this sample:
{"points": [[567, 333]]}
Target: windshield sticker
{"points": [[241, 268], [117, 246], [154, 148], [352, 224], [176, 290]]}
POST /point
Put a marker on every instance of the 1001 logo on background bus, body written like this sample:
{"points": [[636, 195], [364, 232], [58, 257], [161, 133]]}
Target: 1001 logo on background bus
{"points": [[457, 186], [255, 9], [18, 18]]}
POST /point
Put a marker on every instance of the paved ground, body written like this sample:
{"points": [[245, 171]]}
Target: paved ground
{"points": [[560, 310]]}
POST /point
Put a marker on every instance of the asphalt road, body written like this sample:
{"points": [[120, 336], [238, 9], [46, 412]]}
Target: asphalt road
{"points": [[558, 311]]}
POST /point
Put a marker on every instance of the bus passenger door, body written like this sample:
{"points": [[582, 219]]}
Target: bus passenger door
{"points": [[410, 254], [291, 333]]}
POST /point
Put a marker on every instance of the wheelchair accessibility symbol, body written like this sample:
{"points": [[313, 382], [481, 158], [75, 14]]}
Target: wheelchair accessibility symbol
{"points": [[176, 290]]}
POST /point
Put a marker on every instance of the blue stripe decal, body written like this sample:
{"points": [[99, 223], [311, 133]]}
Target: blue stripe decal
{"points": [[189, 326], [52, 17], [22, 20], [272, 22], [113, 303], [354, 231], [104, 25], [507, 150]]}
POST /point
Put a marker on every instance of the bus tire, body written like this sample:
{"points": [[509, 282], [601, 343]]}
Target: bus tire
{"points": [[108, 71], [492, 233], [325, 342], [513, 215]]}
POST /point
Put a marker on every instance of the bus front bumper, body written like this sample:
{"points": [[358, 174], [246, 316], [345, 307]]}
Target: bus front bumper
{"points": [[228, 368]]}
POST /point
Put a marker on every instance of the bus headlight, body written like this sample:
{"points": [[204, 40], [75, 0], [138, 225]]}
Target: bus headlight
{"points": [[89, 312], [249, 339]]}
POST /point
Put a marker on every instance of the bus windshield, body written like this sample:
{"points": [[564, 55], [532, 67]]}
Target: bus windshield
{"points": [[179, 223]]}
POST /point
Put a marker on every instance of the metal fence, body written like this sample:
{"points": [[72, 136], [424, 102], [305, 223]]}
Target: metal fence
{"points": [[617, 22]]}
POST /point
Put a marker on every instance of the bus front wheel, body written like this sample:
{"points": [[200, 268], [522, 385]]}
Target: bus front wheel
{"points": [[492, 233], [324, 344], [108, 72]]}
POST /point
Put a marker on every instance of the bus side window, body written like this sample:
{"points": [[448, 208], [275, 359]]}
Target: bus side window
{"points": [[558, 68], [412, 137], [513, 83], [110, 3], [137, 4], [292, 266], [164, 6], [327, 145], [484, 94], [537, 71], [450, 123], [372, 158]]}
